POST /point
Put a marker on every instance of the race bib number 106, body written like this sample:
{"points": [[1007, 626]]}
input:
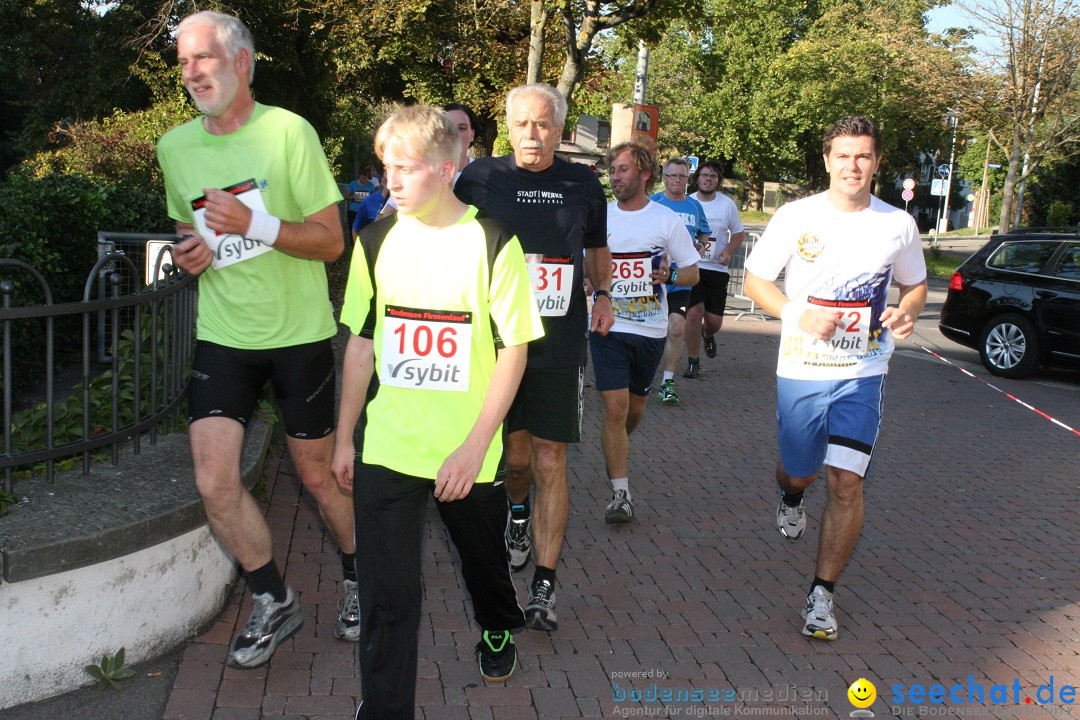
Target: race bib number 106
{"points": [[426, 349]]}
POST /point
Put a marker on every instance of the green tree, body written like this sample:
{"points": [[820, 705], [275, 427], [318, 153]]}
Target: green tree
{"points": [[1029, 92]]}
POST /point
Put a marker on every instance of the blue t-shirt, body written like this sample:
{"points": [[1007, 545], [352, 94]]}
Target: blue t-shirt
{"points": [[355, 187], [693, 217], [370, 208]]}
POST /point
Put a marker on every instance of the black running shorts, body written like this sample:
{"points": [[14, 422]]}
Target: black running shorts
{"points": [[549, 404], [227, 382], [711, 290]]}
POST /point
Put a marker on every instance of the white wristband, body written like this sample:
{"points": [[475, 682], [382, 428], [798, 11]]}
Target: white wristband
{"points": [[792, 312], [264, 227]]}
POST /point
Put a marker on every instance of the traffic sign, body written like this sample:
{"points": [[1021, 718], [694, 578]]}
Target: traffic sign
{"points": [[908, 195], [693, 160], [909, 184], [937, 187], [943, 170]]}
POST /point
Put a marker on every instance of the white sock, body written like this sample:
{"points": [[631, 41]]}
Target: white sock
{"points": [[621, 484], [668, 375]]}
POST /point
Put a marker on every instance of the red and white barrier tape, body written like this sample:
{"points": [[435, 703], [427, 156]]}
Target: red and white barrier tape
{"points": [[1008, 395]]}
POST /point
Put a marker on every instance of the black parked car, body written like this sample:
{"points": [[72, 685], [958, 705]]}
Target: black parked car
{"points": [[1017, 301]]}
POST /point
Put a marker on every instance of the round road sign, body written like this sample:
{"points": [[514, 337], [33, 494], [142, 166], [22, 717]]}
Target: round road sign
{"points": [[907, 195], [943, 171], [909, 184]]}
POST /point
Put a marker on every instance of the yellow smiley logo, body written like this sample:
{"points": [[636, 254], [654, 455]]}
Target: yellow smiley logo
{"points": [[862, 693]]}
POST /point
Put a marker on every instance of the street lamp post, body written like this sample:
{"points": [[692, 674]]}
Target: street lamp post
{"points": [[953, 115]]}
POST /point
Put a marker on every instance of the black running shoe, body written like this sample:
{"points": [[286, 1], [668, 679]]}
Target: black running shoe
{"points": [[710, 345], [497, 655], [540, 612], [693, 369]]}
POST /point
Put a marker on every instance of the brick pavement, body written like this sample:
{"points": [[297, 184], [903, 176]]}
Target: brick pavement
{"points": [[966, 567]]}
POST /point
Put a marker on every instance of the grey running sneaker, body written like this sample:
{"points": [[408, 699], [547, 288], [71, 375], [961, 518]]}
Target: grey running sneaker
{"points": [[620, 509], [540, 612], [348, 607], [791, 521], [820, 622], [693, 369], [666, 392], [497, 655], [270, 623], [519, 542], [710, 345]]}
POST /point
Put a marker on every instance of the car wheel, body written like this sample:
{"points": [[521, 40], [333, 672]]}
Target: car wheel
{"points": [[1009, 348]]}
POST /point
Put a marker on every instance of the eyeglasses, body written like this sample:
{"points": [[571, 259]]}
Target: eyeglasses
{"points": [[708, 176], [676, 177]]}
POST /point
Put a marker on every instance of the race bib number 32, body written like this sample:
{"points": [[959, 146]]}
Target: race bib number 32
{"points": [[552, 281], [426, 349], [852, 336]]}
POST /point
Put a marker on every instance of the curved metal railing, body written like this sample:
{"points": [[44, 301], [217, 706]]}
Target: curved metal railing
{"points": [[148, 330]]}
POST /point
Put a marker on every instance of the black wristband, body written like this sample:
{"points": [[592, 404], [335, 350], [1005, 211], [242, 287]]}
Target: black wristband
{"points": [[601, 293]]}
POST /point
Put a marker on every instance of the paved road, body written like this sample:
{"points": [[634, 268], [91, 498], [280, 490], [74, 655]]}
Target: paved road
{"points": [[966, 569]]}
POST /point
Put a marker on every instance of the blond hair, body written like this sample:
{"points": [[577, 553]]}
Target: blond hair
{"points": [[423, 132]]}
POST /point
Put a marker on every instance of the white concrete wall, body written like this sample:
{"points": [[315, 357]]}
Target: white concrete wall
{"points": [[146, 602]]}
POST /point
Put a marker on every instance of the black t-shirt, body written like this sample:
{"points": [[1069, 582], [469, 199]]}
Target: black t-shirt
{"points": [[555, 213]]}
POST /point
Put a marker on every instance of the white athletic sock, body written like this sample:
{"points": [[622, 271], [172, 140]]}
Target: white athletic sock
{"points": [[621, 484], [668, 375]]}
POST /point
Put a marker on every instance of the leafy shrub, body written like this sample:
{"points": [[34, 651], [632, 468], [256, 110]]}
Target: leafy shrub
{"points": [[1061, 213], [103, 177]]}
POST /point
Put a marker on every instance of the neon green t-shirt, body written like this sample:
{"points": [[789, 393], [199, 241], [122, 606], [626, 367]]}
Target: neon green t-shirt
{"points": [[273, 299], [441, 303]]}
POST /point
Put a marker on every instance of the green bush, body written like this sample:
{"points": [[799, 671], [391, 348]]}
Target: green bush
{"points": [[1061, 213], [104, 176]]}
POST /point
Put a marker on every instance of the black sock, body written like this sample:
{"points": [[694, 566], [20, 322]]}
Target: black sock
{"points": [[521, 511], [823, 583], [792, 499], [543, 573], [267, 579], [348, 565], [693, 361]]}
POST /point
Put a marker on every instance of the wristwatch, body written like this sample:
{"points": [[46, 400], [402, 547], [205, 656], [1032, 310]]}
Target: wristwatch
{"points": [[601, 293], [673, 276]]}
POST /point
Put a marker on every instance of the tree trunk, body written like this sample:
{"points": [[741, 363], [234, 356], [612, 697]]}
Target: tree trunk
{"points": [[754, 184], [578, 43], [537, 23], [1012, 177]]}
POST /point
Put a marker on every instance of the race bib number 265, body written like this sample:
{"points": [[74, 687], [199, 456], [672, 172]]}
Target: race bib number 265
{"points": [[426, 349]]}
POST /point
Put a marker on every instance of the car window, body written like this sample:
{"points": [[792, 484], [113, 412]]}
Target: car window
{"points": [[1027, 257], [1069, 264]]}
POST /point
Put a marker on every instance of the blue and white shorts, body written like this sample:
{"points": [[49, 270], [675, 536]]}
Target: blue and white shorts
{"points": [[834, 422]]}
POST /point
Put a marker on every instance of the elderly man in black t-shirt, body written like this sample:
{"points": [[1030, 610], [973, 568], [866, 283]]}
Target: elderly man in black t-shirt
{"points": [[558, 211]]}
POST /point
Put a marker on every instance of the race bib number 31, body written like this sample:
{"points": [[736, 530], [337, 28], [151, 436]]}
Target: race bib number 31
{"points": [[552, 281], [630, 275], [426, 349], [231, 249]]}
